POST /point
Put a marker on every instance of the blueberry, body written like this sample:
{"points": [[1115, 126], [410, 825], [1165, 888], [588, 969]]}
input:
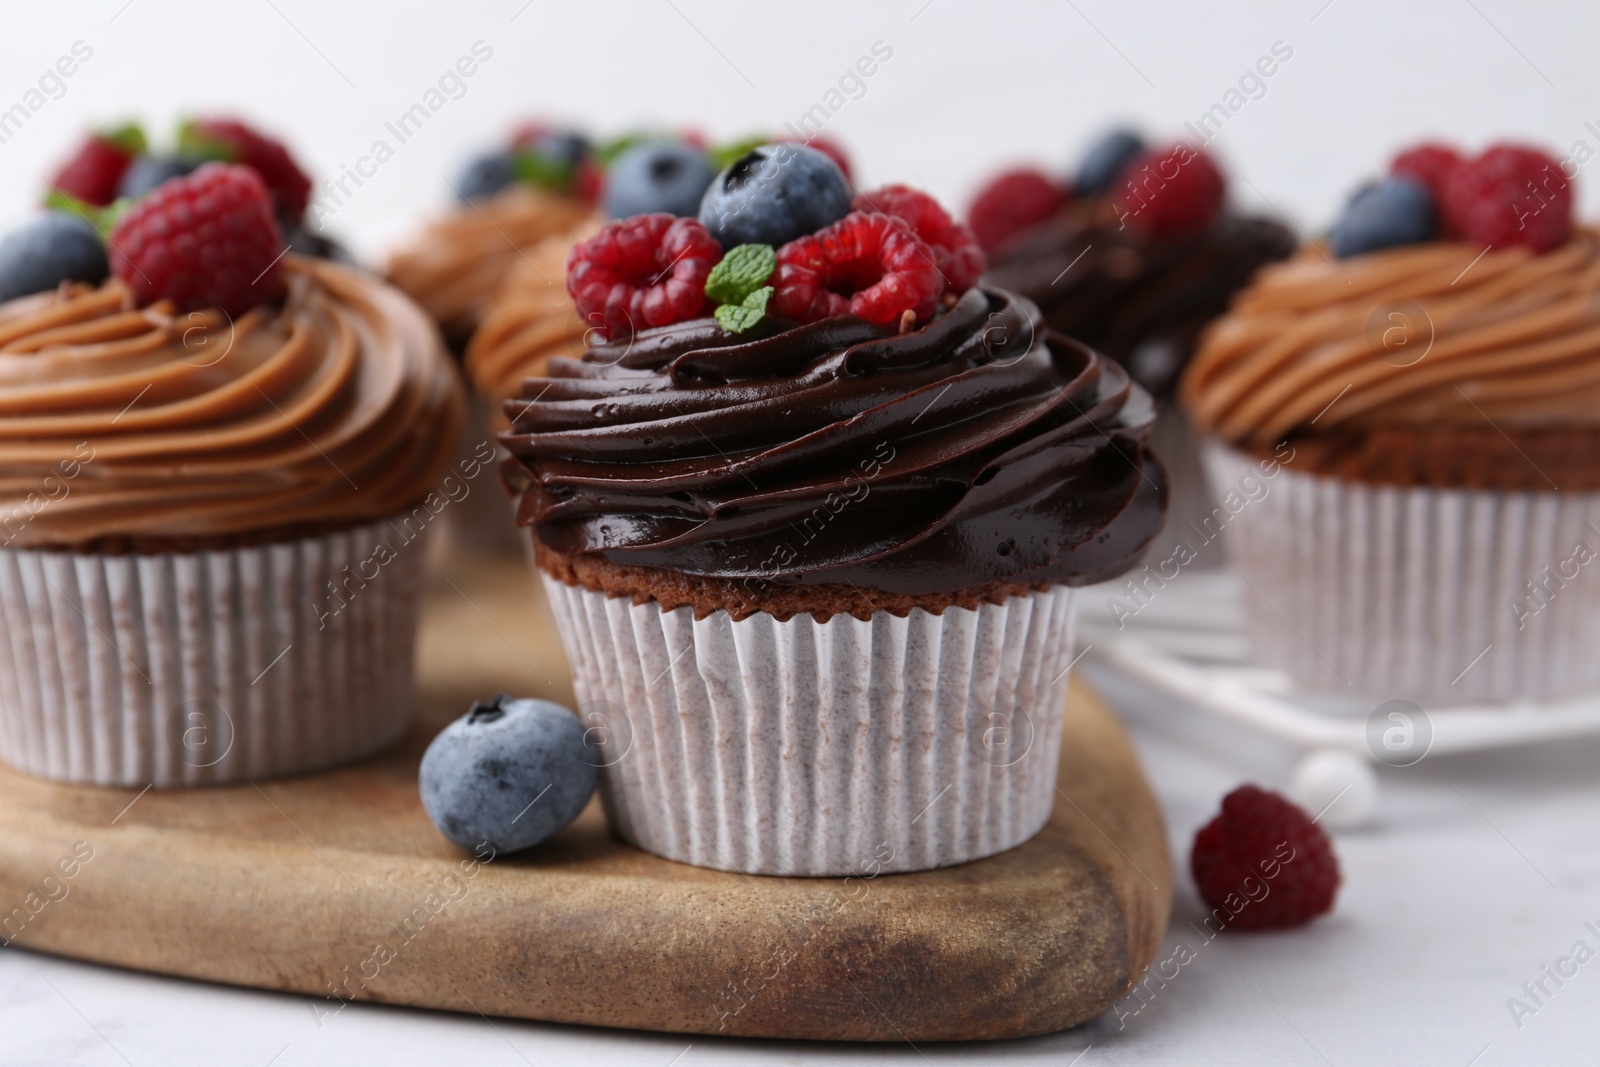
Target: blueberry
{"points": [[484, 176], [773, 194], [1393, 211], [510, 773], [304, 241], [654, 176], [47, 250], [147, 172], [562, 146], [1105, 160]]}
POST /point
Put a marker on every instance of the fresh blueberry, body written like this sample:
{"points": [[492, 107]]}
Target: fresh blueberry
{"points": [[562, 146], [47, 250], [147, 172], [509, 773], [1105, 160], [773, 194], [304, 241], [654, 176], [484, 176], [1393, 211]]}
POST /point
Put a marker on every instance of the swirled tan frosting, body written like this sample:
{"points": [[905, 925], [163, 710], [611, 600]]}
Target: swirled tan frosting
{"points": [[530, 320], [120, 421], [1441, 334], [453, 267]]}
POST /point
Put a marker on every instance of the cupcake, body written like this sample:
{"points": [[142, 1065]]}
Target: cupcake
{"points": [[216, 469], [1133, 256], [1402, 425], [811, 516]]}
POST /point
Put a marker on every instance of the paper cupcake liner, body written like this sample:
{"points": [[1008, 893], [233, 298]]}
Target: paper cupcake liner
{"points": [[1442, 596], [806, 748], [207, 667]]}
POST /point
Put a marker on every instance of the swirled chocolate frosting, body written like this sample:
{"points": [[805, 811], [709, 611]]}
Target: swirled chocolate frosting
{"points": [[979, 448], [1140, 300]]}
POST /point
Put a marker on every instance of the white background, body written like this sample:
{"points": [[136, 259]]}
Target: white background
{"points": [[1450, 903]]}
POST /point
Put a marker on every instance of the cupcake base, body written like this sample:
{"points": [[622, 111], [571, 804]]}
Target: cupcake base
{"points": [[797, 747], [212, 666]]}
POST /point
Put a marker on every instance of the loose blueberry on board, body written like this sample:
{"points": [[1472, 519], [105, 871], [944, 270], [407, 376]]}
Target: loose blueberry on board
{"points": [[147, 172], [48, 250], [774, 194], [484, 176], [1386, 213], [656, 176], [509, 773], [1105, 160]]}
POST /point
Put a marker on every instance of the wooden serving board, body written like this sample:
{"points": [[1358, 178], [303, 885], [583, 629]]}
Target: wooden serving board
{"points": [[337, 887]]}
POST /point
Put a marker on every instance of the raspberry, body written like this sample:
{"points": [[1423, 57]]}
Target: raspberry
{"points": [[1010, 204], [863, 265], [92, 175], [207, 239], [1509, 196], [1429, 163], [235, 142], [955, 249], [647, 270], [1264, 862], [1169, 192]]}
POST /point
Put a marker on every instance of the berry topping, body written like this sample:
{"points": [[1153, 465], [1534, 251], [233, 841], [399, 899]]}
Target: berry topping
{"points": [[774, 194], [1264, 862], [865, 265], [955, 248], [556, 159], [147, 172], [1393, 211], [1169, 192], [1510, 195], [648, 270], [234, 142], [93, 174], [1010, 204], [654, 176], [484, 176], [205, 240], [1105, 160], [52, 248], [1428, 163], [826, 147]]}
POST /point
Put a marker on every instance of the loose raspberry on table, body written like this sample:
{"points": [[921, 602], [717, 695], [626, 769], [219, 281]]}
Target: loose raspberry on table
{"points": [[93, 174], [236, 142], [1510, 195], [1264, 862], [1011, 203], [643, 271], [1169, 192], [955, 248], [863, 265], [207, 239], [1429, 163]]}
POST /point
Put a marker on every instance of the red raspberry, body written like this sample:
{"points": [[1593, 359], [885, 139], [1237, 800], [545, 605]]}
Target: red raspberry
{"points": [[823, 145], [1429, 163], [648, 270], [93, 174], [1264, 862], [1011, 203], [207, 239], [1509, 196], [863, 265], [238, 143], [1169, 192], [955, 249]]}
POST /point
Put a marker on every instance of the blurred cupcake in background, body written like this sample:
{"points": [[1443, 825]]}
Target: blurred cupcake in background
{"points": [[217, 459], [1409, 418], [1133, 255]]}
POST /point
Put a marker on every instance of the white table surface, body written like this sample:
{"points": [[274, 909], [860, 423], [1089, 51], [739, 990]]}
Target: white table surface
{"points": [[1479, 870]]}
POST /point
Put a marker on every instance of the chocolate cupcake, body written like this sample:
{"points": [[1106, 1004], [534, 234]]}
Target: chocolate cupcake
{"points": [[812, 531], [1406, 418], [215, 473], [1134, 257]]}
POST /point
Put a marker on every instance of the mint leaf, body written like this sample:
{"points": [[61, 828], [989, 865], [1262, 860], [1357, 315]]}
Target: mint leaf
{"points": [[724, 155], [192, 142], [607, 151], [543, 171], [103, 219], [741, 272], [129, 137], [748, 313]]}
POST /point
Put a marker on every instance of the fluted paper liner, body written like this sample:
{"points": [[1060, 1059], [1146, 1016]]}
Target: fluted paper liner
{"points": [[207, 667], [807, 748], [1441, 596]]}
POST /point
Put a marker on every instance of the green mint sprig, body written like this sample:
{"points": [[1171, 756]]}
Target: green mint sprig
{"points": [[739, 286]]}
